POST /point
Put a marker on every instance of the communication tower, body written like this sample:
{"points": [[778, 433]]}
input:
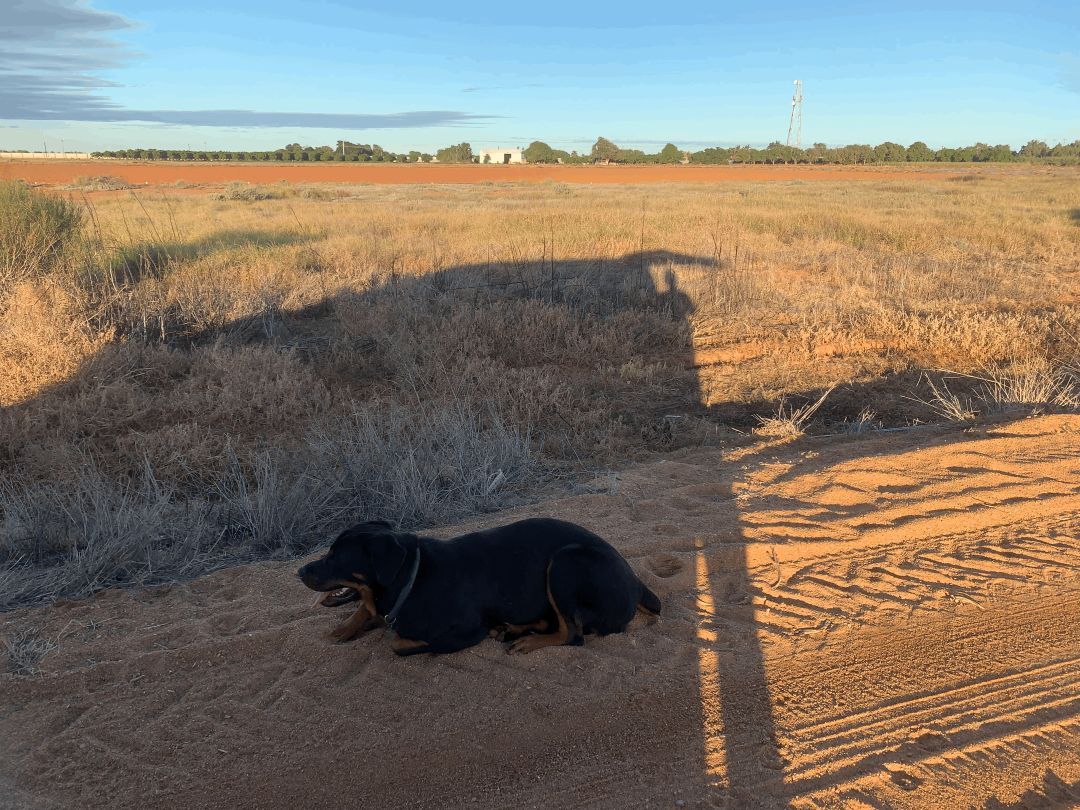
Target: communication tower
{"points": [[795, 127]]}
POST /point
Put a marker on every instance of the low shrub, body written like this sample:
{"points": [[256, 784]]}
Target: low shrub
{"points": [[37, 232], [103, 182], [246, 192]]}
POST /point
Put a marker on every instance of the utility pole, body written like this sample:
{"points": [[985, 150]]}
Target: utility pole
{"points": [[795, 125]]}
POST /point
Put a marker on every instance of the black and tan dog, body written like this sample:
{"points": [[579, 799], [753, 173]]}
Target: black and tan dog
{"points": [[538, 582]]}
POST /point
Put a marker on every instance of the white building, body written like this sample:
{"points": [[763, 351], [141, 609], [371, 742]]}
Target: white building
{"points": [[45, 156], [511, 154]]}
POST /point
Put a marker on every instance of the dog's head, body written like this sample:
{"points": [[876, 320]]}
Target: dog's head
{"points": [[369, 555]]}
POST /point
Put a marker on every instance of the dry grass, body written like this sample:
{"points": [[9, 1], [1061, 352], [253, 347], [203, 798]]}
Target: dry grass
{"points": [[947, 405], [1037, 382], [36, 236], [789, 421], [862, 422], [213, 378], [99, 183], [24, 650]]}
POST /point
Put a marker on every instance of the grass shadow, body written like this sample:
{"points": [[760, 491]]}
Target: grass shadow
{"points": [[131, 263], [1052, 791]]}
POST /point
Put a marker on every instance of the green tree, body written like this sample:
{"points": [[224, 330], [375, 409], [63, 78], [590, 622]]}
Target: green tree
{"points": [[890, 152], [919, 152], [1066, 152], [777, 152], [633, 156], [739, 154], [861, 153], [820, 153], [671, 154], [1034, 149], [604, 149], [712, 154], [539, 152], [459, 153]]}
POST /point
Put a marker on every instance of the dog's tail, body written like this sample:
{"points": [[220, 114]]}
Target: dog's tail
{"points": [[649, 601]]}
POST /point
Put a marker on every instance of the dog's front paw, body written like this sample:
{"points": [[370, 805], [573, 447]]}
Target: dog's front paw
{"points": [[341, 634], [527, 644]]}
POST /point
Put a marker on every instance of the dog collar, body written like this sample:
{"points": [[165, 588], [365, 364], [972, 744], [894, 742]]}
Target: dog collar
{"points": [[391, 617]]}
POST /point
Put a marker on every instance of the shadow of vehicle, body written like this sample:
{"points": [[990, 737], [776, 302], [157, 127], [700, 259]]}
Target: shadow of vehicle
{"points": [[738, 745]]}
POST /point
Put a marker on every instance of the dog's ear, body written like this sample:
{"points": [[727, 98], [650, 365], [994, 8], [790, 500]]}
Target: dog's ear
{"points": [[387, 556]]}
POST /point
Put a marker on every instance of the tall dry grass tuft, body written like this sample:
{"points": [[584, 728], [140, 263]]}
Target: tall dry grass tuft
{"points": [[1038, 382], [789, 421], [949, 405], [94, 529], [24, 650], [37, 233]]}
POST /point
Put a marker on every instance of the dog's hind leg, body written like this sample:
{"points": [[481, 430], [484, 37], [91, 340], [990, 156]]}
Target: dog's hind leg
{"points": [[562, 585], [451, 642], [512, 632], [407, 646], [649, 602]]}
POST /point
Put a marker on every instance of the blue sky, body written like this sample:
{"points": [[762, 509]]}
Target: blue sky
{"points": [[242, 74]]}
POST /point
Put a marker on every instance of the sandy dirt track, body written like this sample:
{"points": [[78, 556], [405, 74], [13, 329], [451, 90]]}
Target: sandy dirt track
{"points": [[160, 173], [886, 621]]}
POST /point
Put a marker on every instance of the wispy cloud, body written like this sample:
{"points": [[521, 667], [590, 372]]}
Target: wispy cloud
{"points": [[494, 87], [1070, 71], [51, 50]]}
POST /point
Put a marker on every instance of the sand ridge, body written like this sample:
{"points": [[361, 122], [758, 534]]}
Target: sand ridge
{"points": [[891, 620]]}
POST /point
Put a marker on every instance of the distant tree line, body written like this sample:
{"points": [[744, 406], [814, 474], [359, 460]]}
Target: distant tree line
{"points": [[345, 151], [604, 151], [889, 152]]}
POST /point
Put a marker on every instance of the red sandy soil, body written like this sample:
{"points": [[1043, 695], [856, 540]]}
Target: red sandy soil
{"points": [[163, 173], [883, 621]]}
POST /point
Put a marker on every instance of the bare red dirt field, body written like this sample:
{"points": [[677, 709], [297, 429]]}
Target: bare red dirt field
{"points": [[151, 173]]}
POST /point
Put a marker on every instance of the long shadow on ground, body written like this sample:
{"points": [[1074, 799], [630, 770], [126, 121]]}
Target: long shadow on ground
{"points": [[740, 753]]}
